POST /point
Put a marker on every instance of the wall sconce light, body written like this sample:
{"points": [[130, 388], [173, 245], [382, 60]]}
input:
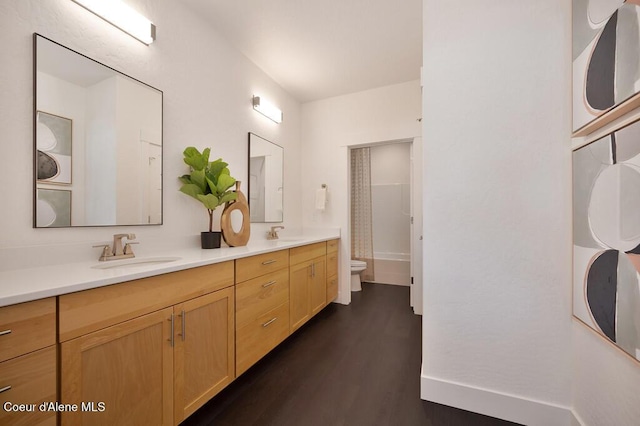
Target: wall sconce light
{"points": [[122, 16], [267, 109]]}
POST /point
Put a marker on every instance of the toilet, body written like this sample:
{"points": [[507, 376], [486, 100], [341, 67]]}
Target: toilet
{"points": [[357, 266]]}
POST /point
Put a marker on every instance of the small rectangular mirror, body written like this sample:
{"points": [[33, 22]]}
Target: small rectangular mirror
{"points": [[97, 143], [266, 177]]}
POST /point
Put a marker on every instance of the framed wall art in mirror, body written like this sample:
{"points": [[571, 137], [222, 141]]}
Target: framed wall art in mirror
{"points": [[53, 138], [266, 180], [98, 136]]}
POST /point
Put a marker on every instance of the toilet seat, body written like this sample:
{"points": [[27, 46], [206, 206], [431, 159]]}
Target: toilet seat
{"points": [[358, 265]]}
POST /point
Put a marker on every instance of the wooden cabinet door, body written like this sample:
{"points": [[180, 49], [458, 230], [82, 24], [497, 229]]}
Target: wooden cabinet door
{"points": [[127, 367], [299, 294], [29, 379], [318, 285], [204, 350]]}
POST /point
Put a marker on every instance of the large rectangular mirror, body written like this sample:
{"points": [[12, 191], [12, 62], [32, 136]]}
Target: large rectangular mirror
{"points": [[266, 177], [97, 143]]}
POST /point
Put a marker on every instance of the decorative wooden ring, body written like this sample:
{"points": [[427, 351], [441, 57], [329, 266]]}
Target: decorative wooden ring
{"points": [[232, 238]]}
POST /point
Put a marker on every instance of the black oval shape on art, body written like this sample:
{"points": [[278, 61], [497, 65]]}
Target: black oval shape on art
{"points": [[600, 84], [602, 288], [47, 166]]}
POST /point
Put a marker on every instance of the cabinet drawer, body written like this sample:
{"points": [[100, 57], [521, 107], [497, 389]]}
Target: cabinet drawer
{"points": [[260, 295], [256, 339], [255, 266], [27, 327], [87, 311], [332, 246], [332, 264], [304, 253], [332, 288], [32, 378]]}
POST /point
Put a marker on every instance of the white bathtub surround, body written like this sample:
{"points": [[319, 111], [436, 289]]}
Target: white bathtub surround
{"points": [[391, 206], [392, 268]]}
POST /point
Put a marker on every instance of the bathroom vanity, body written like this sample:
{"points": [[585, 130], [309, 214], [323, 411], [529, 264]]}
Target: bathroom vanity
{"points": [[150, 344]]}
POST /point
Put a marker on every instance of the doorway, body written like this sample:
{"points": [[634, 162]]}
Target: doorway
{"points": [[384, 229]]}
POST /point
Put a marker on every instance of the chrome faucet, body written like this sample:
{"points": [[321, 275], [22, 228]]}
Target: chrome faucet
{"points": [[273, 233], [118, 251]]}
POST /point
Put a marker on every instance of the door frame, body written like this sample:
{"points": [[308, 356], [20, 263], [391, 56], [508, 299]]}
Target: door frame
{"points": [[416, 213]]}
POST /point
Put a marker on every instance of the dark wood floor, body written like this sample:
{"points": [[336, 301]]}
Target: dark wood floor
{"points": [[350, 365]]}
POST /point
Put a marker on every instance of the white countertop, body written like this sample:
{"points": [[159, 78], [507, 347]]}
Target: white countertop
{"points": [[23, 285]]}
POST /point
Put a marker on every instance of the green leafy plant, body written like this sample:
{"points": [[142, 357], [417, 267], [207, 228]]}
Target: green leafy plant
{"points": [[208, 182]]}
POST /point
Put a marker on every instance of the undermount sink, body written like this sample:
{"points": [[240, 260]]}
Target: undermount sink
{"points": [[285, 240], [135, 262]]}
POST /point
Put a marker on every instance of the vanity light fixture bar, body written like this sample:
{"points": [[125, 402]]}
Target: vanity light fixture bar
{"points": [[122, 16], [267, 109]]}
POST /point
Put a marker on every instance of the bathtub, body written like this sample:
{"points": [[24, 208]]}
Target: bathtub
{"points": [[392, 268]]}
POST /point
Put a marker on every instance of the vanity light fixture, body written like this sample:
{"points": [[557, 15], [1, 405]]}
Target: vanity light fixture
{"points": [[120, 15], [267, 109]]}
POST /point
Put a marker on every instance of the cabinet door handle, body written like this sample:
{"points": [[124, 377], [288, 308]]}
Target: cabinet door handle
{"points": [[2, 333], [313, 269], [184, 321], [269, 284], [269, 262], [268, 323], [172, 330], [4, 389]]}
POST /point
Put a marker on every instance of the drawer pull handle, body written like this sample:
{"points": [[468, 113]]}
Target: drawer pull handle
{"points": [[269, 284], [2, 333], [4, 389], [269, 262], [172, 329], [268, 323], [184, 322]]}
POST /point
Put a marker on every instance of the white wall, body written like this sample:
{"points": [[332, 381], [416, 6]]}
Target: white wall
{"points": [[329, 128], [139, 113], [207, 88], [497, 208], [101, 149]]}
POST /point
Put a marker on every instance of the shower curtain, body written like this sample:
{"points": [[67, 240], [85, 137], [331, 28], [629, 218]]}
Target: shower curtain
{"points": [[361, 211]]}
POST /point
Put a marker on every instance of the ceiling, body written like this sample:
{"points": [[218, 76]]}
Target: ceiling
{"points": [[319, 49]]}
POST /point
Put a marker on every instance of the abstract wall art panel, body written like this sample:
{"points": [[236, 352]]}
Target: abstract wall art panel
{"points": [[606, 237], [54, 208], [606, 61], [53, 142]]}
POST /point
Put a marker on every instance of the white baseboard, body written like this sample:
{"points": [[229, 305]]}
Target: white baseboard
{"points": [[495, 404]]}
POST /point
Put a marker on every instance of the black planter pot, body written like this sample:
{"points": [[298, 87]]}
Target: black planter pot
{"points": [[210, 240]]}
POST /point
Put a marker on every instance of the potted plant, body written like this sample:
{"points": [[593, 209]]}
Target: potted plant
{"points": [[209, 183]]}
